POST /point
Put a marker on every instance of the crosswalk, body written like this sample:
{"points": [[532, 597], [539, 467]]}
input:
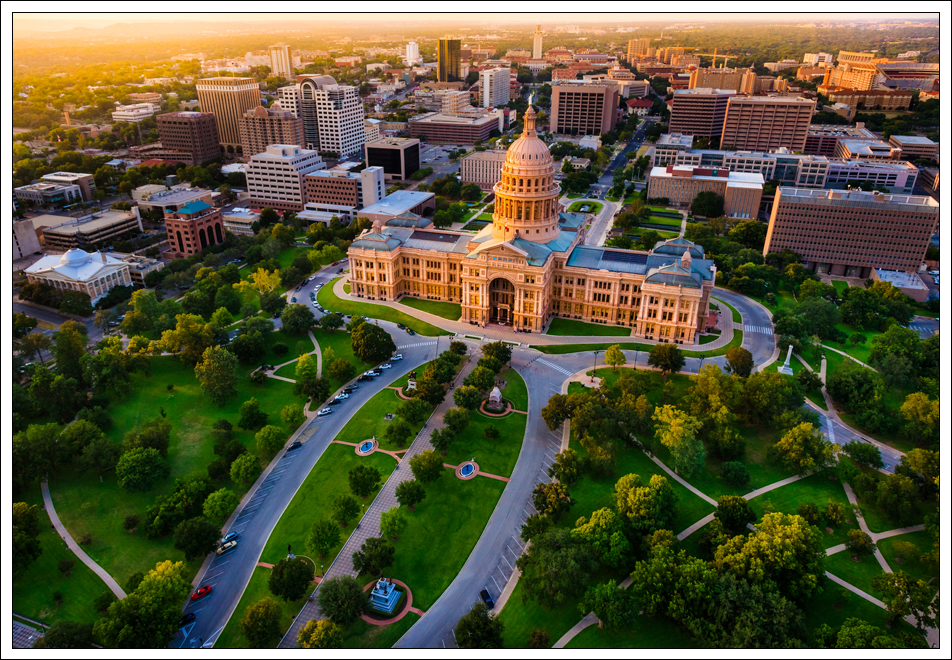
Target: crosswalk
{"points": [[554, 366], [419, 343], [758, 328], [923, 329]]}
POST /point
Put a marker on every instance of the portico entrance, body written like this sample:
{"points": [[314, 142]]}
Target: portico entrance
{"points": [[502, 301]]}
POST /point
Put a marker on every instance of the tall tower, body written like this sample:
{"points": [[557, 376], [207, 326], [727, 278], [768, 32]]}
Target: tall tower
{"points": [[281, 61], [448, 60], [537, 43], [228, 99], [527, 196]]}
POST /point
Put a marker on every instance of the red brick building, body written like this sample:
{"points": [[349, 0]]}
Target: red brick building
{"points": [[193, 228]]}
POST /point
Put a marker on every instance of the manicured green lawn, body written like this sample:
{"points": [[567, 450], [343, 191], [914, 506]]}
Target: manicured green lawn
{"points": [[515, 390], [33, 590], [521, 618], [707, 339], [87, 505], [496, 456], [840, 286], [815, 395], [860, 351], [735, 315], [329, 300], [690, 351], [362, 635], [645, 633], [858, 573], [574, 195], [917, 569], [658, 220], [231, 637], [447, 310], [339, 341], [475, 225], [836, 604], [289, 340], [571, 327], [594, 207]]}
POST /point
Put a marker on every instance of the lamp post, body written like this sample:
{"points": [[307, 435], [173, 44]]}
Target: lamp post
{"points": [[594, 362]]}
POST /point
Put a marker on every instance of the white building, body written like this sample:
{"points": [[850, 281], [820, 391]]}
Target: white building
{"points": [[537, 43], [817, 58], [371, 130], [281, 64], [276, 177], [333, 116], [413, 53], [49, 194], [133, 113], [77, 270], [239, 220], [289, 98], [25, 241], [590, 142], [454, 103], [494, 87]]}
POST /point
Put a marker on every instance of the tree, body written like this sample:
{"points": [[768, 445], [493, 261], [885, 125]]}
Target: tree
{"points": [[668, 358], [330, 322], [864, 452], [269, 440], [196, 537], [466, 396], [100, 454], [605, 535], [481, 378], [149, 616], [804, 448], [646, 508], [297, 319], [34, 344], [410, 493], [245, 468], [261, 281], [551, 499], [292, 415], [615, 607], [67, 634], [25, 535], [740, 361], [615, 356], [217, 373], [456, 420], [290, 578], [79, 435], [23, 325], [219, 505], [190, 337], [398, 432], [374, 556], [427, 466], [363, 479], [555, 568], [676, 430], [251, 416], [321, 635], [566, 467], [272, 302], [69, 347], [479, 629], [341, 599], [708, 204], [261, 623], [345, 508], [324, 535], [431, 392], [859, 542], [139, 468], [809, 380], [392, 522], [371, 343], [341, 370], [154, 433], [905, 596], [735, 513]]}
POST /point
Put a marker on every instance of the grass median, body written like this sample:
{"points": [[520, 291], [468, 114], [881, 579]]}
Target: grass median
{"points": [[447, 310], [329, 300], [232, 637], [573, 328]]}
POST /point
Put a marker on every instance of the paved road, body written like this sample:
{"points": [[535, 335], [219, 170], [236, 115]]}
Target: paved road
{"points": [[262, 508], [758, 330]]}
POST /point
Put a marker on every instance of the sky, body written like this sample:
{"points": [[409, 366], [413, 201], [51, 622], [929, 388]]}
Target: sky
{"points": [[67, 20]]}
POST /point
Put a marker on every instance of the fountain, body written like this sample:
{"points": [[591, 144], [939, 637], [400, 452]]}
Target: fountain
{"points": [[467, 469]]}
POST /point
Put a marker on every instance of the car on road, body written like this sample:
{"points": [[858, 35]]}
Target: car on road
{"points": [[342, 396], [340, 270], [487, 598], [230, 536], [350, 389], [294, 445], [398, 356], [226, 548], [324, 411], [201, 592], [310, 279], [315, 304], [294, 299], [375, 372], [187, 619], [363, 378], [410, 331], [386, 365], [401, 326], [334, 402]]}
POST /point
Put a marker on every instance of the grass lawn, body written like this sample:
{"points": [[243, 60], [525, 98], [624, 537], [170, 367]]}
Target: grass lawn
{"points": [[574, 195], [347, 287], [860, 351], [493, 456], [474, 225], [835, 605], [87, 505], [231, 637], [917, 569], [362, 635], [289, 340], [666, 234], [339, 341], [485, 217], [735, 315], [571, 327], [707, 339], [329, 300], [560, 349], [858, 573], [594, 207], [815, 395], [657, 632], [447, 310], [515, 390], [840, 286], [33, 590], [658, 220], [521, 618]]}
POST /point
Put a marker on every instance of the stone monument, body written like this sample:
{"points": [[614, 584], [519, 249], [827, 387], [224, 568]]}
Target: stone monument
{"points": [[384, 596], [411, 381], [495, 400], [785, 369]]}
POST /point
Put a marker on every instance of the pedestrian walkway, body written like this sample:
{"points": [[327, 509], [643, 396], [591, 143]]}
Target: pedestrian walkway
{"points": [[25, 636], [83, 557], [851, 496], [369, 525], [681, 481], [836, 350], [589, 620]]}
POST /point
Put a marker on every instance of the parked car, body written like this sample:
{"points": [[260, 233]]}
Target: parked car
{"points": [[386, 365], [395, 358], [294, 445], [490, 603], [226, 548], [334, 402], [340, 270], [315, 304], [350, 389], [187, 619], [342, 396], [376, 372], [201, 592], [410, 331], [363, 378], [230, 536], [324, 412], [294, 299], [401, 326]]}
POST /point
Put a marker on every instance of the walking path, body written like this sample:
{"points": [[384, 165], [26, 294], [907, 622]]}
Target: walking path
{"points": [[851, 496], [836, 350], [83, 557], [680, 480], [369, 525], [478, 473], [589, 620]]}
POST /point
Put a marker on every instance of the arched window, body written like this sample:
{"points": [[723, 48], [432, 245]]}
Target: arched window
{"points": [[181, 245], [218, 235], [202, 239]]}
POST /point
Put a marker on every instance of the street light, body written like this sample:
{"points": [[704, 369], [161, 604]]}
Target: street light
{"points": [[594, 362]]}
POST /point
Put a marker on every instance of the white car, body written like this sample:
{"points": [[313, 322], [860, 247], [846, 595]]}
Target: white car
{"points": [[325, 411], [310, 279], [386, 365], [342, 396], [315, 304], [398, 356]]}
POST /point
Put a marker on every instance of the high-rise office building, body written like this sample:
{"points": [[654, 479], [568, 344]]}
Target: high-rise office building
{"points": [[413, 53], [262, 127], [276, 177], [333, 115], [352, 190], [493, 87], [448, 60], [763, 123], [852, 232], [722, 78], [537, 43], [699, 111], [281, 64], [289, 98], [583, 109], [193, 134], [399, 157], [228, 99], [638, 47]]}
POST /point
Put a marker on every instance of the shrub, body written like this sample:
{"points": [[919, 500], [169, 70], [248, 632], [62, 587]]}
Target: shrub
{"points": [[491, 432], [86, 539], [280, 349], [735, 473], [65, 566], [130, 522]]}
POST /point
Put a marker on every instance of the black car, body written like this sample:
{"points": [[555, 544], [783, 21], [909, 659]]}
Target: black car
{"points": [[490, 603], [401, 326], [294, 445], [335, 402], [350, 389], [410, 331], [187, 619]]}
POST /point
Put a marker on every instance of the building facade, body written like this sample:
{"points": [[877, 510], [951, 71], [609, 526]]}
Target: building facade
{"points": [[530, 265], [91, 273], [342, 188], [484, 168], [281, 63], [86, 182], [448, 60], [537, 43], [822, 138], [398, 157], [25, 241], [761, 123], [52, 195], [333, 116], [852, 232], [915, 146], [723, 78], [680, 184], [228, 99], [191, 135], [262, 127], [276, 176], [238, 221], [133, 113], [193, 228], [866, 150], [444, 129], [583, 109], [494, 87], [638, 48], [699, 112]]}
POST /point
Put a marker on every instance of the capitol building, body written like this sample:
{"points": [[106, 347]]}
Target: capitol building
{"points": [[533, 264]]}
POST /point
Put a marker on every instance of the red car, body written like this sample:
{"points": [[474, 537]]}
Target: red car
{"points": [[202, 592]]}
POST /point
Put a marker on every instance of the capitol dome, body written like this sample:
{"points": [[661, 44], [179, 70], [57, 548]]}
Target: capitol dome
{"points": [[529, 150], [75, 257]]}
